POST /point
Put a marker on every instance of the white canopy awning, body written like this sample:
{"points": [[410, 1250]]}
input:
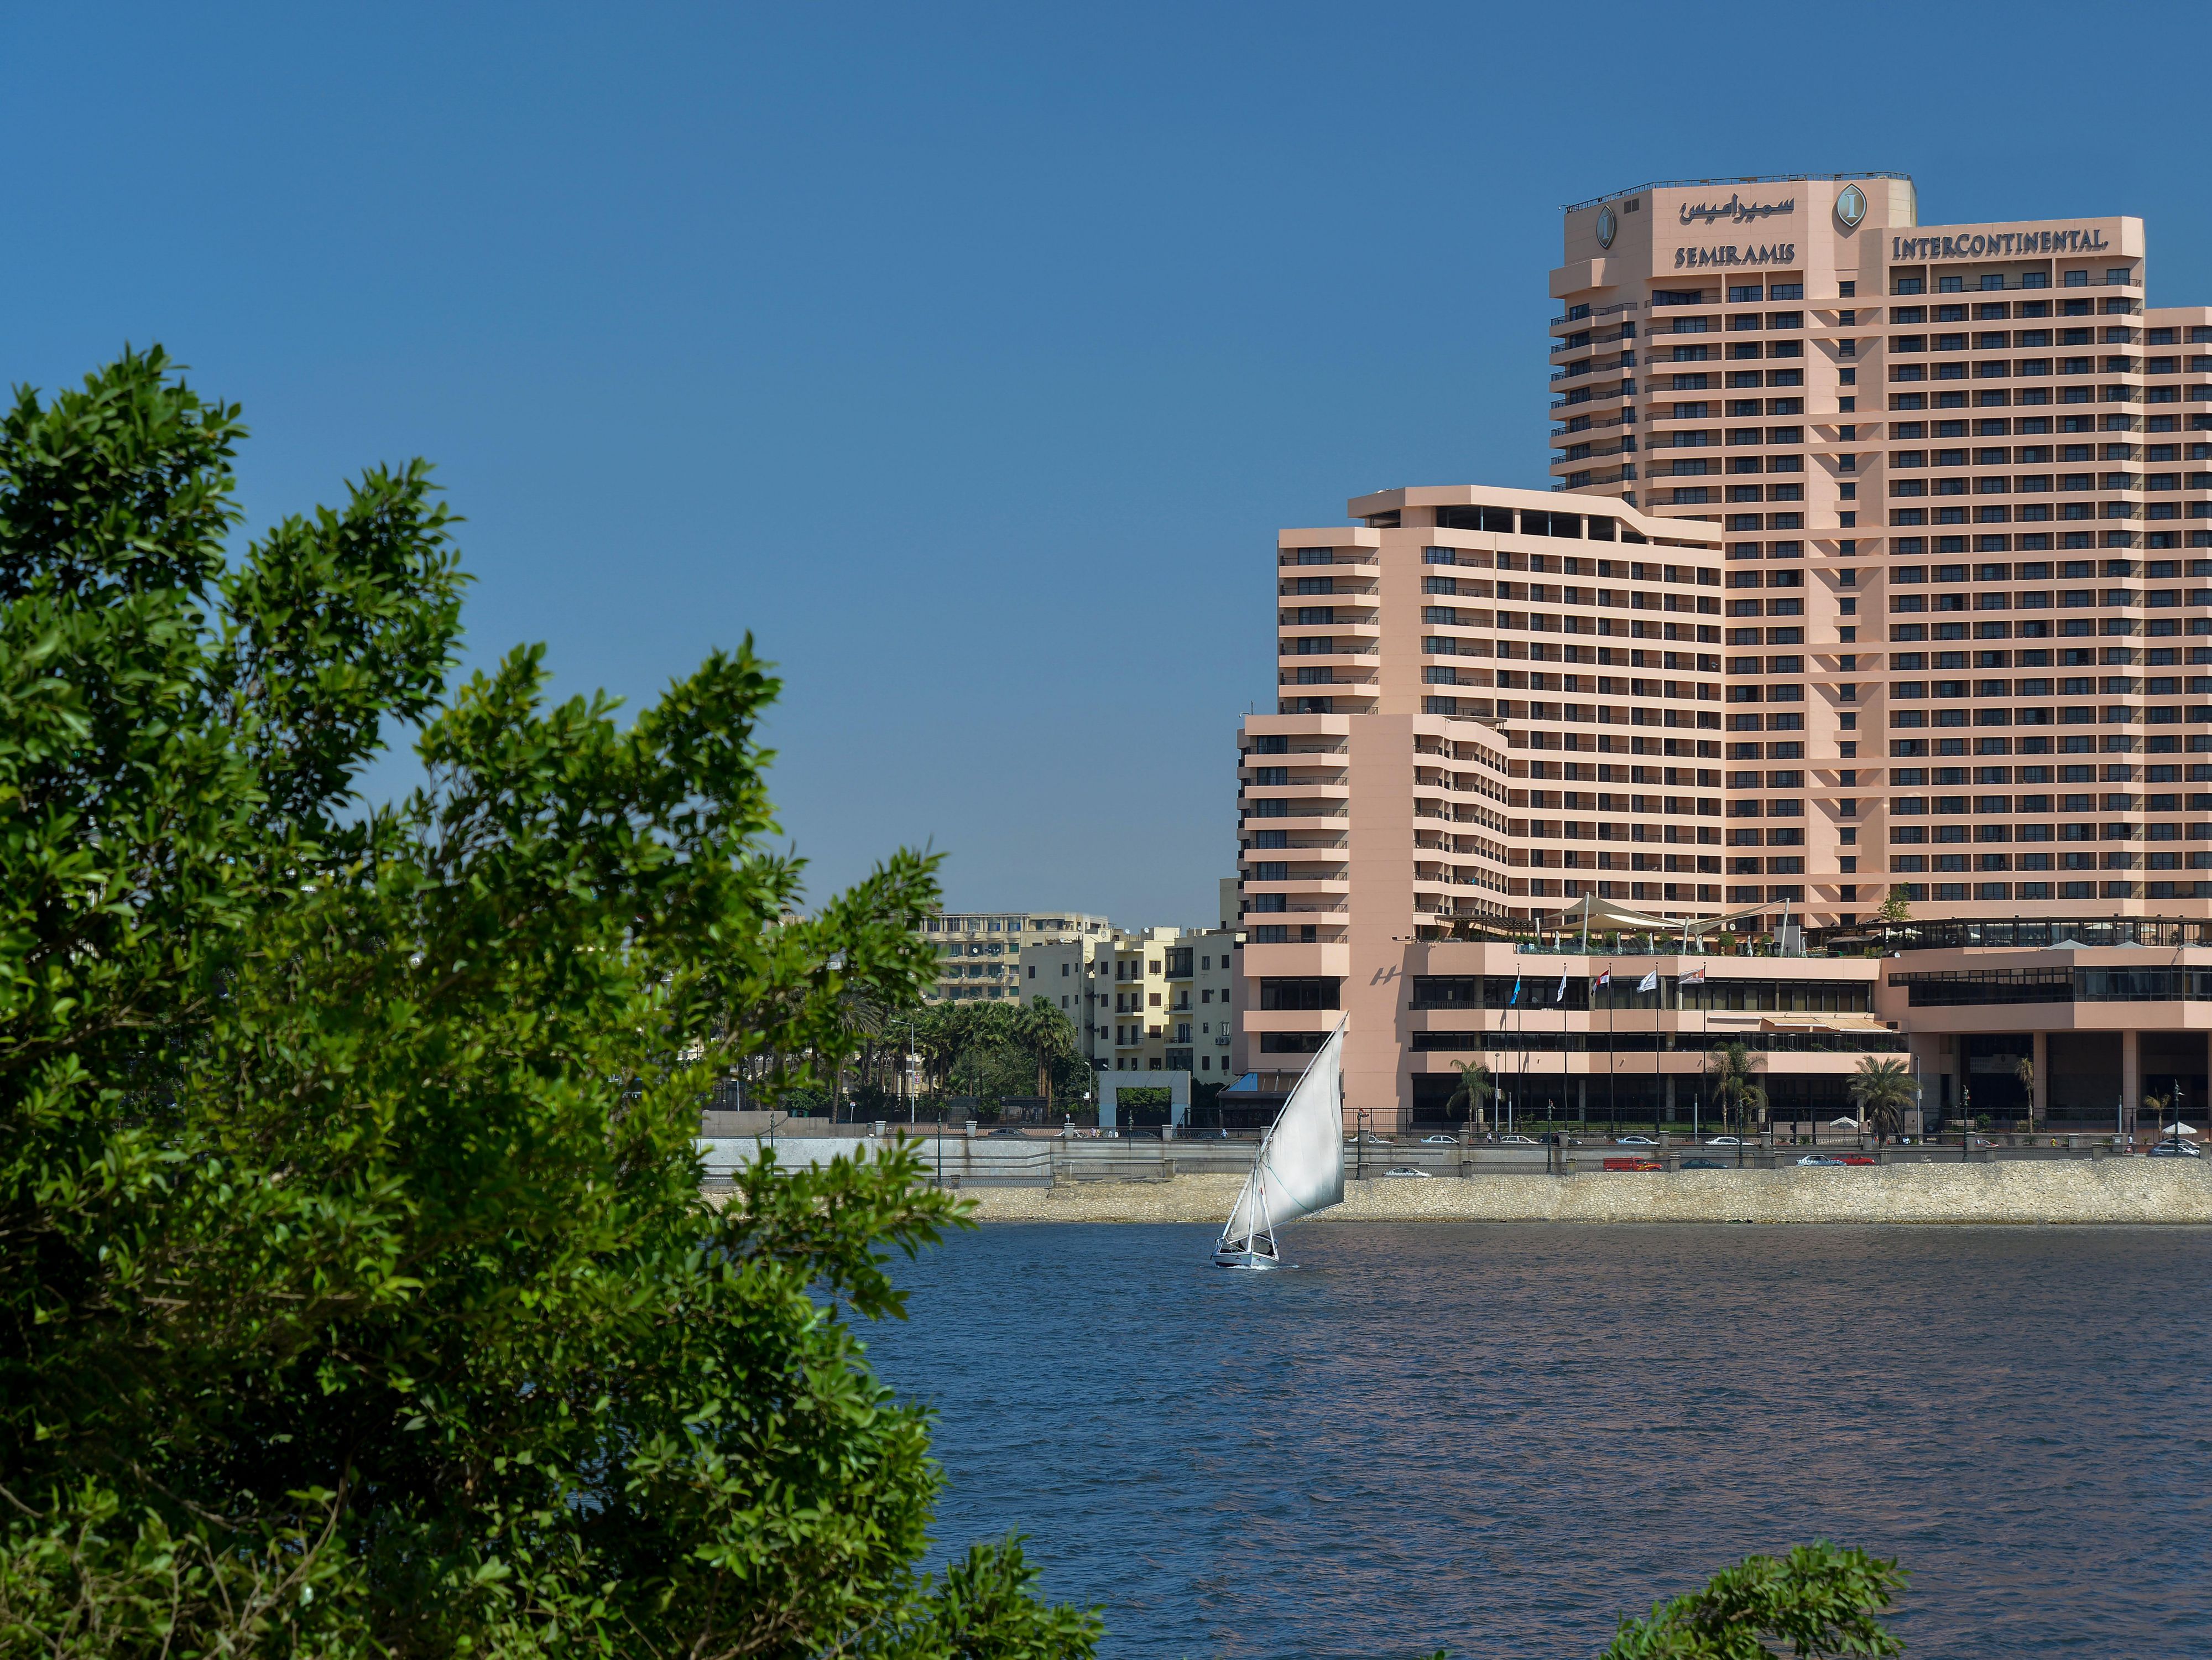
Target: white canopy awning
{"points": [[1590, 911]]}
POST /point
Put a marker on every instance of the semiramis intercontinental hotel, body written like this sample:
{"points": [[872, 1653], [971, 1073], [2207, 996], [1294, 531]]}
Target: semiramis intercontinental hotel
{"points": [[1960, 480], [1877, 556]]}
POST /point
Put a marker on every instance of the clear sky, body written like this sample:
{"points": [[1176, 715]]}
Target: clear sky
{"points": [[969, 357]]}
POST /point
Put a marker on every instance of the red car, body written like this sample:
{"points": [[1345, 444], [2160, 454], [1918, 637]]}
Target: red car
{"points": [[1859, 1159], [1633, 1164]]}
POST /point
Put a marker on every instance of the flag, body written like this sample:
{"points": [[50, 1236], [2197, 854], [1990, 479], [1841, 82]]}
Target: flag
{"points": [[1605, 979], [1695, 976], [1515, 998], [1648, 982], [1560, 996]]}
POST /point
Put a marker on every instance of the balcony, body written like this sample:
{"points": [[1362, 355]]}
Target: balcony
{"points": [[1585, 315]]}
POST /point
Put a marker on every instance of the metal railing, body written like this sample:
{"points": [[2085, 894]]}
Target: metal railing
{"points": [[1707, 184]]}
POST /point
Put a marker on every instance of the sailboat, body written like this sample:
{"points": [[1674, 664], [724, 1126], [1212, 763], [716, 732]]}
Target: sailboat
{"points": [[1299, 1168]]}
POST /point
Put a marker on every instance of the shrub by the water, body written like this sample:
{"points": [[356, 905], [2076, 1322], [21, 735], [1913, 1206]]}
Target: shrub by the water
{"points": [[356, 1293]]}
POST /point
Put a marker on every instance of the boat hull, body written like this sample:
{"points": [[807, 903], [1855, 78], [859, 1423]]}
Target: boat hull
{"points": [[1226, 1258]]}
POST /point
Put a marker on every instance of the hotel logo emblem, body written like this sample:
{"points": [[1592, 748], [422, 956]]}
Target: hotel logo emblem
{"points": [[1850, 207], [1606, 225]]}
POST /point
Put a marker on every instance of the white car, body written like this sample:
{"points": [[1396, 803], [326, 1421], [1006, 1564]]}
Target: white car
{"points": [[1636, 1141], [1725, 1141], [1821, 1161], [1517, 1141], [1440, 1140], [1405, 1171]]}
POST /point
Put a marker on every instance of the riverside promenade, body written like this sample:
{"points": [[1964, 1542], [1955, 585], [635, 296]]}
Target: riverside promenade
{"points": [[2073, 1192], [1051, 1180]]}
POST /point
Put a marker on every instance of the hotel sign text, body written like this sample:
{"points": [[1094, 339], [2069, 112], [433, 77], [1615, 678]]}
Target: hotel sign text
{"points": [[1776, 253], [1993, 245]]}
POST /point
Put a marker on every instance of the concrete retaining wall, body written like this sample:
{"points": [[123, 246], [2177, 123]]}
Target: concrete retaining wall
{"points": [[2134, 1190]]}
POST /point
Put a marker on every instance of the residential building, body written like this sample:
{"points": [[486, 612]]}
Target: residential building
{"points": [[981, 953], [1145, 999]]}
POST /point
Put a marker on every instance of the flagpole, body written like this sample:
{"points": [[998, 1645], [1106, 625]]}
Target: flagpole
{"points": [[1520, 1068], [1612, 1076]]}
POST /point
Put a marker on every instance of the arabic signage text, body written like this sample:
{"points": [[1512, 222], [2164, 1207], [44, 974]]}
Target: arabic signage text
{"points": [[1736, 210], [1992, 244], [1776, 253]]}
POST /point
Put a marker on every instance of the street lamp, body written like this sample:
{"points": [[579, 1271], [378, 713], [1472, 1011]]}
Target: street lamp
{"points": [[1966, 1123]]}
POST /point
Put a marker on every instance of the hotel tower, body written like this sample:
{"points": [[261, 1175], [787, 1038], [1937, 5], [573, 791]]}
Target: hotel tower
{"points": [[1958, 472], [1877, 561]]}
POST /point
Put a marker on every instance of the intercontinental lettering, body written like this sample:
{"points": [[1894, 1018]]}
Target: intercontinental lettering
{"points": [[1993, 245], [1776, 253]]}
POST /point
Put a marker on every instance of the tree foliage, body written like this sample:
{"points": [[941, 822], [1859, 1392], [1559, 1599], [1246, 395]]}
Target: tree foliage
{"points": [[988, 1050], [1819, 1600], [1472, 1090], [356, 1293], [1732, 1071], [1883, 1091]]}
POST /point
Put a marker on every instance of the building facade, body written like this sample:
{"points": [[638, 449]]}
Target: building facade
{"points": [[1958, 473], [981, 953], [1145, 999], [1875, 568]]}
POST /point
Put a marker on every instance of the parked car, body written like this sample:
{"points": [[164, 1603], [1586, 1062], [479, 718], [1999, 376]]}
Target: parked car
{"points": [[1703, 1164], [1635, 1141], [1440, 1140], [2174, 1150], [1821, 1161], [1403, 1170]]}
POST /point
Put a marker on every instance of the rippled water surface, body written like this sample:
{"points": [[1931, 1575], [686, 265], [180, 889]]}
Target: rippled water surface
{"points": [[1494, 1439]]}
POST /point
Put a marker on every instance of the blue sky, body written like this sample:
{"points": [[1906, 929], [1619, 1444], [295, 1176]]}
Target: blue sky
{"points": [[969, 357]]}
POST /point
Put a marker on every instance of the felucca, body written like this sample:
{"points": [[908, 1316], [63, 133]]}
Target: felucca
{"points": [[1299, 1168]]}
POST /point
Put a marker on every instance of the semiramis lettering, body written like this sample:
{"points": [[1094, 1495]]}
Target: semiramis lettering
{"points": [[1996, 245], [1778, 253]]}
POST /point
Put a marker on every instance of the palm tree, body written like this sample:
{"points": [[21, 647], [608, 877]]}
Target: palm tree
{"points": [[1049, 1038], [863, 1017], [1883, 1090], [1732, 1074], [1474, 1088], [2026, 1073]]}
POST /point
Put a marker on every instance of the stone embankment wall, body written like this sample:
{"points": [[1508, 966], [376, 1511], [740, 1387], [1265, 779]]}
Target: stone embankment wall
{"points": [[2132, 1190]]}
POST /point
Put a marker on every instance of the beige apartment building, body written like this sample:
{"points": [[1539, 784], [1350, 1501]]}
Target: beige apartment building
{"points": [[981, 953], [1958, 473], [1145, 999]]}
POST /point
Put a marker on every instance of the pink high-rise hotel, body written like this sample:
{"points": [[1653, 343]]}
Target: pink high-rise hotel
{"points": [[1878, 557]]}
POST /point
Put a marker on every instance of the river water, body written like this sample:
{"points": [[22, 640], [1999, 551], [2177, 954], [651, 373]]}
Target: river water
{"points": [[1495, 1439]]}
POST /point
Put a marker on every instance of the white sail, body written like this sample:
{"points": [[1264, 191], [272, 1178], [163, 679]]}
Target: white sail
{"points": [[1299, 1168]]}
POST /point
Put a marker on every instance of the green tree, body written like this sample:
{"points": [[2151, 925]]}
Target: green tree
{"points": [[1474, 1088], [357, 1292], [1732, 1074], [1883, 1091], [1817, 1601], [1049, 1036], [1897, 906]]}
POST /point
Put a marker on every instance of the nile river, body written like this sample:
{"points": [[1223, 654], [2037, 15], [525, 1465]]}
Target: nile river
{"points": [[1492, 1439]]}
